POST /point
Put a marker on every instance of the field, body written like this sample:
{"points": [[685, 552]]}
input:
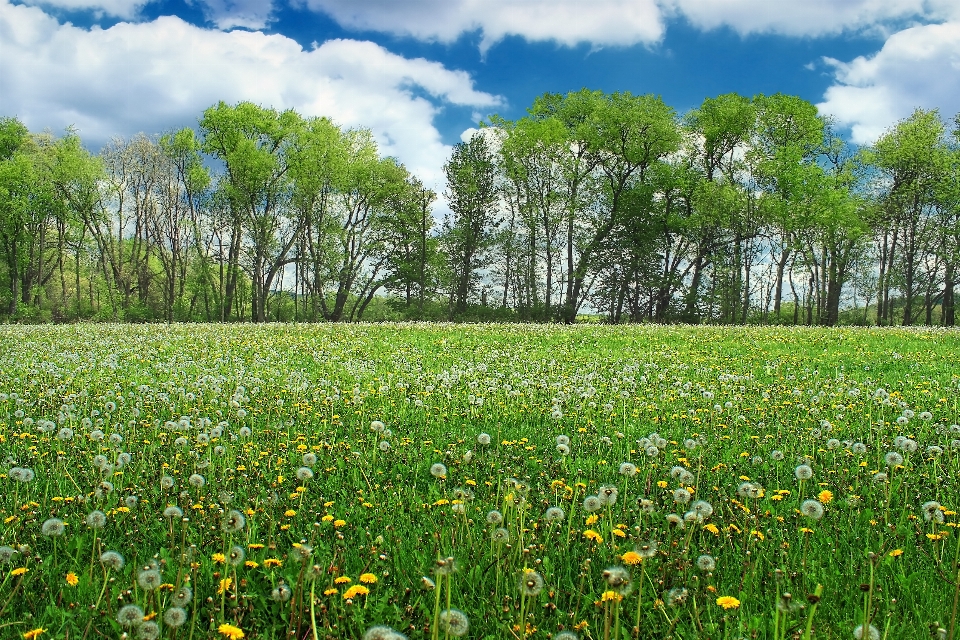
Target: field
{"points": [[499, 482]]}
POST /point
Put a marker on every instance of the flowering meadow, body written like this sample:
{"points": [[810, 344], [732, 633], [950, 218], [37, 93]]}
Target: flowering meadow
{"points": [[439, 481]]}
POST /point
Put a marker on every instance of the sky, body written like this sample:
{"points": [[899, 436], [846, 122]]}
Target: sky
{"points": [[422, 74]]}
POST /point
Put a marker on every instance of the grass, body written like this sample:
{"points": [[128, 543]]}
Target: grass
{"points": [[334, 481]]}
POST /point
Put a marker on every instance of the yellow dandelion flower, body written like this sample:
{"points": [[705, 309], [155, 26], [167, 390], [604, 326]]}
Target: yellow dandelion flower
{"points": [[289, 513], [354, 591], [632, 557], [712, 528], [896, 553], [231, 632], [218, 558], [269, 563], [225, 585], [331, 591], [609, 595], [825, 496], [33, 633], [19, 571], [255, 546], [728, 602], [662, 484], [368, 578], [72, 579], [590, 534], [327, 518], [339, 523], [592, 519], [251, 564], [342, 580], [618, 533]]}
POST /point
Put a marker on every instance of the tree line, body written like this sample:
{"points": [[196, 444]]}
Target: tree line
{"points": [[612, 205]]}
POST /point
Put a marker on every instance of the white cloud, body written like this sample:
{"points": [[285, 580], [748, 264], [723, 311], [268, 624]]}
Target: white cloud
{"points": [[162, 74], [126, 9], [226, 14], [917, 67], [567, 22], [806, 17]]}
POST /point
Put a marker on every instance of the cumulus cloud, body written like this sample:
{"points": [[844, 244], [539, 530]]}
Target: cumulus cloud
{"points": [[162, 74], [917, 67], [126, 9], [226, 14], [567, 22]]}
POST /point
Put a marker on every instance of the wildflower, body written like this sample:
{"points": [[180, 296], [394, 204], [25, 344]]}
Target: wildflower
{"points": [[893, 459], [6, 554], [483, 439], [196, 480], [234, 522], [554, 514], [149, 630], [438, 470], [628, 469], [728, 602], [932, 511], [149, 579], [33, 633], [282, 593], [237, 555], [289, 513], [712, 528], [111, 560], [130, 615], [500, 535], [304, 473], [825, 496], [354, 591], [812, 509], [590, 534], [182, 597], [592, 503], [173, 512], [676, 596], [675, 520], [896, 553], [871, 633], [803, 472], [610, 595], [382, 632], [230, 631], [531, 583], [618, 579], [647, 549], [706, 563], [270, 563], [19, 571], [632, 557], [72, 579], [300, 553], [445, 566], [454, 622], [52, 527], [225, 585], [218, 558], [494, 517], [368, 578], [563, 449]]}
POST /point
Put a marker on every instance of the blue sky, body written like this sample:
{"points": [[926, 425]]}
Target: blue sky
{"points": [[420, 73]]}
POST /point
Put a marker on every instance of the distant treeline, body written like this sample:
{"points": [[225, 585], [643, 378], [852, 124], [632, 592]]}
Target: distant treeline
{"points": [[743, 210]]}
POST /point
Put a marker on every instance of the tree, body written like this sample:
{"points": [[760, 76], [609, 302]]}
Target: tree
{"points": [[253, 142], [468, 233]]}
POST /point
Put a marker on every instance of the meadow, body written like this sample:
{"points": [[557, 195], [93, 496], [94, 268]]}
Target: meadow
{"points": [[515, 481]]}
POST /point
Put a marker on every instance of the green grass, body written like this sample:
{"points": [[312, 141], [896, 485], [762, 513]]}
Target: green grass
{"points": [[242, 405]]}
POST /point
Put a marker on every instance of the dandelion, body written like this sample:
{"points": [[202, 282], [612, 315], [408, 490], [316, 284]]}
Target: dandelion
{"points": [[706, 563], [354, 591], [454, 622], [554, 514], [300, 553], [34, 633], [563, 449], [384, 446], [367, 578], [483, 439], [234, 521], [281, 593], [149, 579], [893, 459], [676, 597], [182, 597], [445, 566], [908, 445], [702, 508], [52, 527], [196, 480], [812, 509], [231, 632], [380, 632], [500, 536], [236, 556], [871, 633], [681, 496], [173, 512], [309, 459], [149, 630], [494, 517], [304, 473], [72, 579], [96, 519], [628, 469], [608, 495], [859, 448], [728, 602], [130, 616], [531, 584], [932, 511], [377, 426], [825, 496], [646, 505], [111, 560], [803, 472], [618, 579], [438, 470], [592, 503], [674, 520]]}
